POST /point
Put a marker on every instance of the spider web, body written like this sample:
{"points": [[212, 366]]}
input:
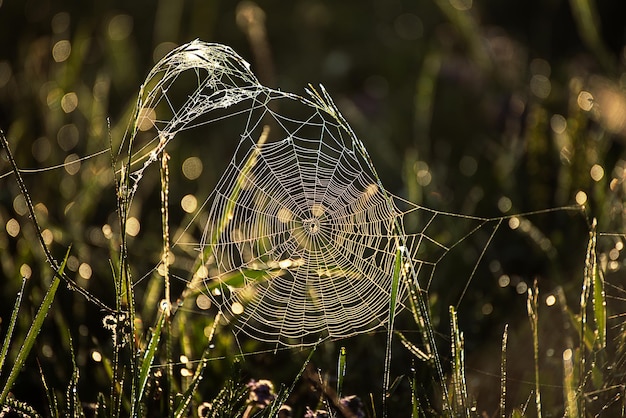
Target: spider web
{"points": [[297, 241]]}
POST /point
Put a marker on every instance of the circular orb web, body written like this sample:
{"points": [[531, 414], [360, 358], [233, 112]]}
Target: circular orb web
{"points": [[306, 248]]}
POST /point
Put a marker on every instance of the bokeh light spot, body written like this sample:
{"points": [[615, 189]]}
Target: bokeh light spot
{"points": [[558, 123], [107, 231], [72, 164], [192, 168], [68, 136], [550, 300], [504, 204], [597, 172], [202, 272], [60, 22], [146, 119], [72, 263], [540, 86], [237, 308], [13, 227], [487, 309], [96, 356], [47, 351], [19, 205], [581, 197], [468, 165], [120, 27], [422, 172], [203, 301], [69, 102], [162, 50], [585, 100], [189, 203], [61, 50], [567, 354], [514, 222], [85, 271], [284, 215], [132, 226], [5, 73], [48, 236], [504, 280]]}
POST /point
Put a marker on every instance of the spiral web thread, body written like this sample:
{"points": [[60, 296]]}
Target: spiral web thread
{"points": [[299, 237]]}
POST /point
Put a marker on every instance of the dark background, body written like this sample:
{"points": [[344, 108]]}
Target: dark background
{"points": [[477, 97]]}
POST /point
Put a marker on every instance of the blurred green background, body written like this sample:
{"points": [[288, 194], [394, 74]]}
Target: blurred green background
{"points": [[483, 108]]}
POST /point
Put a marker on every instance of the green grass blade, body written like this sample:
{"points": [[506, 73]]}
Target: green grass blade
{"points": [[183, 403], [570, 385], [9, 335], [341, 370], [395, 284], [53, 404], [148, 358], [33, 331]]}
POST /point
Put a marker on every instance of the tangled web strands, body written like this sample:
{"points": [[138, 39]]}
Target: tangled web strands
{"points": [[301, 236]]}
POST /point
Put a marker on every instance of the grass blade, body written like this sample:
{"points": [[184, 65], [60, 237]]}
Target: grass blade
{"points": [[532, 305], [570, 387], [341, 370], [459, 388], [596, 280], [9, 335], [53, 405], [72, 401], [284, 394], [182, 404], [505, 336], [395, 283], [33, 331], [148, 358]]}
